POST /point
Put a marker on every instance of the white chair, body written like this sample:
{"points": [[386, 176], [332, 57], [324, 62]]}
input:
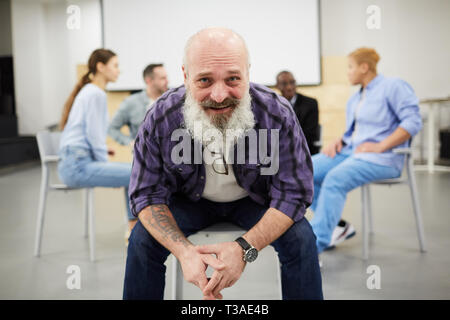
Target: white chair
{"points": [[319, 143], [410, 179], [48, 144], [177, 273]]}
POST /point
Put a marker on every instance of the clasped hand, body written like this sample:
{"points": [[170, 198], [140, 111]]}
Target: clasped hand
{"points": [[228, 265]]}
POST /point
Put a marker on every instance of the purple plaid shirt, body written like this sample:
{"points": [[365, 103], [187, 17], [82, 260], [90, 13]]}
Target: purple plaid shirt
{"points": [[155, 177]]}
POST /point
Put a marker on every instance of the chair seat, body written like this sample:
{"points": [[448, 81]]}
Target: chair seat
{"points": [[391, 181], [60, 186], [222, 227]]}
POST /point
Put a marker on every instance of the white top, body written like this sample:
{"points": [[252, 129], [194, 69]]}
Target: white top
{"points": [[220, 187], [88, 122]]}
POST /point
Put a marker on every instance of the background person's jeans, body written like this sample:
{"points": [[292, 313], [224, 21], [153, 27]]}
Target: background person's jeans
{"points": [[77, 168], [145, 269], [333, 179]]}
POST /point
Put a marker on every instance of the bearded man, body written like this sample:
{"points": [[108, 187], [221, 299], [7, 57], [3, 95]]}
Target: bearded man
{"points": [[174, 200]]}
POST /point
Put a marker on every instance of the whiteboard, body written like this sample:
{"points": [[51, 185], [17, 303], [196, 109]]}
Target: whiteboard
{"points": [[280, 35]]}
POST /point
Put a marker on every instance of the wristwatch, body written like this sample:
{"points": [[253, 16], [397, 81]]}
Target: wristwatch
{"points": [[250, 252]]}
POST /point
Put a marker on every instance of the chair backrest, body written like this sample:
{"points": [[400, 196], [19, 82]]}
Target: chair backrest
{"points": [[318, 143], [408, 155], [48, 143]]}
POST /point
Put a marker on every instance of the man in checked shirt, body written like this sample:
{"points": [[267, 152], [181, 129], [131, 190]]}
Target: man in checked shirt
{"points": [[174, 199]]}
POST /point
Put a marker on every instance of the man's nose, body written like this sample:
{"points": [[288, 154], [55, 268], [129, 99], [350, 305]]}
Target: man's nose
{"points": [[219, 92]]}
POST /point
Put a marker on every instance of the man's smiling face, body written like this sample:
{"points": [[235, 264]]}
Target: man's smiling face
{"points": [[216, 72]]}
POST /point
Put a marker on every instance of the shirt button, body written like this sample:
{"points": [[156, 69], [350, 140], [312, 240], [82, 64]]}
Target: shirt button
{"points": [[202, 177], [180, 169], [197, 195]]}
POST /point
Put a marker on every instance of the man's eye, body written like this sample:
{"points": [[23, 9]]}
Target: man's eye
{"points": [[203, 80], [234, 78]]}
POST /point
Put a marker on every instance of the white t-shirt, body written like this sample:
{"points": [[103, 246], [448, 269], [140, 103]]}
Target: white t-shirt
{"points": [[220, 187]]}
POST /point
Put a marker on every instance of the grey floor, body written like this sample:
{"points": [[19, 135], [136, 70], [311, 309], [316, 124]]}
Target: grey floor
{"points": [[405, 273]]}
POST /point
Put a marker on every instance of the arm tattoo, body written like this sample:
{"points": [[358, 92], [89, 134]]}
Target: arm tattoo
{"points": [[161, 220]]}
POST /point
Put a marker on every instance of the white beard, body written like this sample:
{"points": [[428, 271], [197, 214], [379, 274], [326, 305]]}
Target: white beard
{"points": [[230, 130]]}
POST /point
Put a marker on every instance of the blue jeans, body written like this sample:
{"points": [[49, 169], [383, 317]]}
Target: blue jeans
{"points": [[145, 269], [333, 179], [77, 168]]}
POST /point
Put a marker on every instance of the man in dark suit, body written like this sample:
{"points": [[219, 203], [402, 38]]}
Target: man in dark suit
{"points": [[305, 108]]}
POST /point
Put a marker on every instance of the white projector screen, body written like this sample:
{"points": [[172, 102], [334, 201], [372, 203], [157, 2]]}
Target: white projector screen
{"points": [[280, 35]]}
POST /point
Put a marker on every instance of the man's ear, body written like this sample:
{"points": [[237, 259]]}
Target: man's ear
{"points": [[184, 72]]}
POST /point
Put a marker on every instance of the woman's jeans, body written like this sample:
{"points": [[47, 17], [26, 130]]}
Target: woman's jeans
{"points": [[296, 248], [77, 168], [333, 179]]}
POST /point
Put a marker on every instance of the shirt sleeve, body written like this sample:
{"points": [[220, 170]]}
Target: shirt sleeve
{"points": [[291, 190], [96, 126], [148, 181], [405, 105], [120, 119]]}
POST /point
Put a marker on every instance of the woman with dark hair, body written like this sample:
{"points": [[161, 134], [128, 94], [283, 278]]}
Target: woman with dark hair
{"points": [[84, 125]]}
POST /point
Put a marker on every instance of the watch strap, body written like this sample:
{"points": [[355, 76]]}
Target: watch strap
{"points": [[243, 243]]}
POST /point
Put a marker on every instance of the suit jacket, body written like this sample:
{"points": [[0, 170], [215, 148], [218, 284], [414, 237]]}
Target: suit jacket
{"points": [[307, 112]]}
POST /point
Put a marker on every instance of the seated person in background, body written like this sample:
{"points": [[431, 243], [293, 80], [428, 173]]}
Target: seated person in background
{"points": [[83, 151], [381, 115], [174, 199], [304, 107], [132, 110]]}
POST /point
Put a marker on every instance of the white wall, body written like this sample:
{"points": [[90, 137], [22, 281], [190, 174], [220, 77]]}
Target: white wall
{"points": [[413, 44], [413, 40], [281, 34], [46, 54]]}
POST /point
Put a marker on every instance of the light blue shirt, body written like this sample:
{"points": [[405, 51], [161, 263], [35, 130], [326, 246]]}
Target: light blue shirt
{"points": [[131, 113], [388, 103], [88, 122]]}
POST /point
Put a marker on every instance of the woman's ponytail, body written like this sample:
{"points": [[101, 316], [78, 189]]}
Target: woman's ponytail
{"points": [[99, 55]]}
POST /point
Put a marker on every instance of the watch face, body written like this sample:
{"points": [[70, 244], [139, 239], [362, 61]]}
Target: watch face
{"points": [[251, 255]]}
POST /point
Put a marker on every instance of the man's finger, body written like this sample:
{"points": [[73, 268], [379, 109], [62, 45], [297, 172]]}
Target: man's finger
{"points": [[208, 248], [215, 279], [202, 281], [213, 262], [219, 287]]}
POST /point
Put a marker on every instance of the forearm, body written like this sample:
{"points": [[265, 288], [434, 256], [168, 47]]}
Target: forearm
{"points": [[271, 226], [397, 137], [115, 133], [159, 222]]}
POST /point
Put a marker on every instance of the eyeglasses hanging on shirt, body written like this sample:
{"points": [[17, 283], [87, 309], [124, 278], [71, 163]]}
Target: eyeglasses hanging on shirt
{"points": [[219, 164]]}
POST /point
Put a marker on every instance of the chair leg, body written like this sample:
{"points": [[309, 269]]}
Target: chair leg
{"points": [[365, 251], [41, 211], [369, 208], [177, 280], [280, 288], [416, 206], [86, 212], [91, 216]]}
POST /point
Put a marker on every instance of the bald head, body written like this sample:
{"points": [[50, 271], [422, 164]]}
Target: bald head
{"points": [[213, 42], [216, 73]]}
